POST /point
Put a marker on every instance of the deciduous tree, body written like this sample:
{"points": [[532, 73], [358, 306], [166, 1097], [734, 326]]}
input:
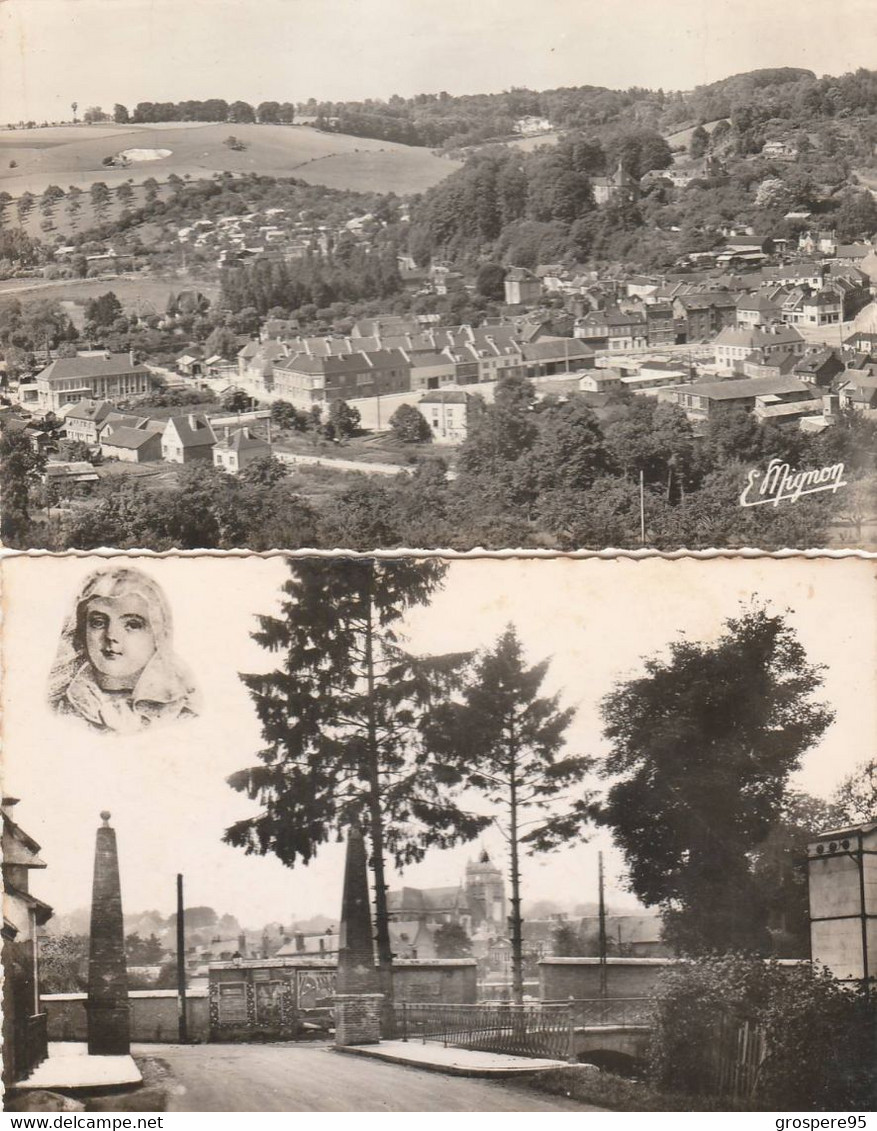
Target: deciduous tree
{"points": [[702, 747]]}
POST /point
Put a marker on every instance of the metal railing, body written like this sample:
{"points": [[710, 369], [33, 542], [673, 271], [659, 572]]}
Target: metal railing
{"points": [[619, 1013], [545, 1029]]}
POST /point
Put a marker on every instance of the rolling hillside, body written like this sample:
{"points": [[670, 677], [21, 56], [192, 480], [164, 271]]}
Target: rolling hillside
{"points": [[64, 155]]}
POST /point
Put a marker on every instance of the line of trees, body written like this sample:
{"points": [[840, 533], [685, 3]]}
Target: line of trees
{"points": [[208, 110], [425, 752]]}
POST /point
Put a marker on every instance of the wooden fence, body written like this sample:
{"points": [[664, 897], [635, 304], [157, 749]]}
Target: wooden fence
{"points": [[739, 1048]]}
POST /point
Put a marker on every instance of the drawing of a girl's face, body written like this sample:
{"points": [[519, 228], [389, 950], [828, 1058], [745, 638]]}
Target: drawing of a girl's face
{"points": [[119, 638]]}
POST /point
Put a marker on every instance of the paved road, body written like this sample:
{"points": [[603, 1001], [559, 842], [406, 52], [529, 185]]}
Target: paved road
{"points": [[314, 1078]]}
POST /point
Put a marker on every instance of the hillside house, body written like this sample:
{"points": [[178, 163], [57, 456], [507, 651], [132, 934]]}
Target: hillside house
{"points": [[819, 367], [107, 377], [757, 310], [699, 317], [187, 439], [522, 287], [81, 420], [660, 324], [450, 414], [857, 390], [734, 345], [619, 186], [805, 307], [134, 444], [612, 330], [237, 449]]}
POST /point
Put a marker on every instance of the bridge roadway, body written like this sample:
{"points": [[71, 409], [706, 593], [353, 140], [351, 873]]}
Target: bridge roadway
{"points": [[312, 1077]]}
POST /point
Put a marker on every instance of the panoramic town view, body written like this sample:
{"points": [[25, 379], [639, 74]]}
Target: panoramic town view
{"points": [[581, 900], [406, 706]]}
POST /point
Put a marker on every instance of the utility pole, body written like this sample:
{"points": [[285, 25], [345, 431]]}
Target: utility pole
{"points": [[602, 927], [181, 963], [642, 508]]}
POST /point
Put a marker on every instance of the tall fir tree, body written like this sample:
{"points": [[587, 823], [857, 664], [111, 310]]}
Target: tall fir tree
{"points": [[342, 718], [508, 742]]}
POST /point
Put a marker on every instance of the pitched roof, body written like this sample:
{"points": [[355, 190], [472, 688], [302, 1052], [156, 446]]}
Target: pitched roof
{"points": [[88, 409], [242, 440], [747, 387], [193, 430], [125, 437], [753, 338], [65, 368]]}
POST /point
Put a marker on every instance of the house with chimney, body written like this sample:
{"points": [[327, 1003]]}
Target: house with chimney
{"points": [[82, 420], [619, 186], [188, 439], [238, 448], [521, 287], [734, 345]]}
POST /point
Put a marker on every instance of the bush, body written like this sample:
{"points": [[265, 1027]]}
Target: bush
{"points": [[819, 1035], [409, 425]]}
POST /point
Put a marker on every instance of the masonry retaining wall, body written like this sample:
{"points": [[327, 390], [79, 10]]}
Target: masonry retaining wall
{"points": [[153, 1013]]}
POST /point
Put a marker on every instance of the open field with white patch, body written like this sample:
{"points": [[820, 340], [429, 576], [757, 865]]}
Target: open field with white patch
{"points": [[66, 155]]}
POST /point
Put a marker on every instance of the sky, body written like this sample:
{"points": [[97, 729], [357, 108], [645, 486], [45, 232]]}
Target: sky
{"points": [[99, 52], [167, 791]]}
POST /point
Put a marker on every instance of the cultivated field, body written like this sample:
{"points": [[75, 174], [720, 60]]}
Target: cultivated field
{"points": [[138, 294], [30, 160]]}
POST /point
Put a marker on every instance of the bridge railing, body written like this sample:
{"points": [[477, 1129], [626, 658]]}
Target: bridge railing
{"points": [[517, 1030], [544, 1029], [621, 1012]]}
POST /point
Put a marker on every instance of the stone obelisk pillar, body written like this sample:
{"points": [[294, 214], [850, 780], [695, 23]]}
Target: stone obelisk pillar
{"points": [[108, 1020], [357, 1000]]}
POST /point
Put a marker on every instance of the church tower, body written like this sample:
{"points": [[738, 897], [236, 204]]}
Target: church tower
{"points": [[485, 891]]}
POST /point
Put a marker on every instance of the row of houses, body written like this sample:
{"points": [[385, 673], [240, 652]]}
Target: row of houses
{"points": [[308, 371], [183, 439]]}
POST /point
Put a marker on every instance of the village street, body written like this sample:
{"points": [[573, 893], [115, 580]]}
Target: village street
{"points": [[315, 1078]]}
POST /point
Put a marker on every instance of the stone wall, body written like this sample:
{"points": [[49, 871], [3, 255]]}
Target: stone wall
{"points": [[153, 1015], [273, 997], [561, 978], [449, 980]]}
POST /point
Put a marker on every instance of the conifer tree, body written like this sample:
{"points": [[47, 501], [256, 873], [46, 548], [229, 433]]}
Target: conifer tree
{"points": [[508, 740], [342, 719]]}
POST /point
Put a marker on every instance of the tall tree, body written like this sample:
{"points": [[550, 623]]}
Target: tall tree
{"points": [[341, 720], [855, 799], [20, 466], [702, 747], [508, 742]]}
